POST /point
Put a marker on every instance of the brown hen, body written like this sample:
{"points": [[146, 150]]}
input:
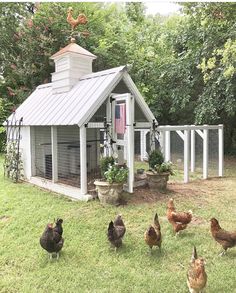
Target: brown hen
{"points": [[225, 238], [196, 275], [179, 220], [152, 235]]}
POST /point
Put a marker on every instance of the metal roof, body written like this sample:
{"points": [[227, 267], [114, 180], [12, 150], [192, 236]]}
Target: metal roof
{"points": [[78, 105]]}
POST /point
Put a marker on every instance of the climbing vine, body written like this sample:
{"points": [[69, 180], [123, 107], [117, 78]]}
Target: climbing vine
{"points": [[13, 165]]}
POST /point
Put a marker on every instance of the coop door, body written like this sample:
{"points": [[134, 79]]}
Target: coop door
{"points": [[123, 132]]}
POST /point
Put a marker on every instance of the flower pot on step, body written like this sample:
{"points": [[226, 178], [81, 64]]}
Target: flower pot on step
{"points": [[157, 181], [109, 193]]}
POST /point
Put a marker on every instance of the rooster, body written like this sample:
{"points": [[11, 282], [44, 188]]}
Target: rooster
{"points": [[116, 231], [152, 235], [179, 220], [225, 238], [196, 275], [81, 19], [51, 241]]}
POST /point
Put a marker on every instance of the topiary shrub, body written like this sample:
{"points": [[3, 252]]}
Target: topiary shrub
{"points": [[105, 162], [155, 158]]}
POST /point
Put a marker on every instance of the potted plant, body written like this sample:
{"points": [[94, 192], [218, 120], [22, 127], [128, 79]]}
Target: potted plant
{"points": [[111, 187], [105, 162], [158, 174]]}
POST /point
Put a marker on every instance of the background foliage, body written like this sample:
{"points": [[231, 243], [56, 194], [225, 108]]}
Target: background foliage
{"points": [[184, 64]]}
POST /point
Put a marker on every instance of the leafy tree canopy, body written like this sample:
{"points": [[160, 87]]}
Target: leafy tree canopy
{"points": [[184, 65]]}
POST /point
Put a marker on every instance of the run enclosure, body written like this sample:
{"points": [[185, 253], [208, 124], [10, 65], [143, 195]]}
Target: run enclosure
{"points": [[190, 148]]}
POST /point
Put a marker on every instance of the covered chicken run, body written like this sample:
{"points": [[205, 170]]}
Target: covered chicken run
{"points": [[70, 123]]}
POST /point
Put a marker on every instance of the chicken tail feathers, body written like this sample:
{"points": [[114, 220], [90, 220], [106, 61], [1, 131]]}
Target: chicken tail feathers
{"points": [[194, 254], [110, 231], [156, 222]]}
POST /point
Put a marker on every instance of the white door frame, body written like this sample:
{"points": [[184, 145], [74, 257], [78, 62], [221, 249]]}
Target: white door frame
{"points": [[128, 141]]}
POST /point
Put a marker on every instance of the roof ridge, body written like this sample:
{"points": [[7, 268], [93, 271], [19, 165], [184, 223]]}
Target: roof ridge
{"points": [[44, 85], [104, 72]]}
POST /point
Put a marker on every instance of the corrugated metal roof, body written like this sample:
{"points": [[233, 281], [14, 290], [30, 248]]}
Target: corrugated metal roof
{"points": [[70, 108]]}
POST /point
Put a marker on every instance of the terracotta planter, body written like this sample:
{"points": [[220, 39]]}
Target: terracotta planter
{"points": [[109, 193], [157, 181]]}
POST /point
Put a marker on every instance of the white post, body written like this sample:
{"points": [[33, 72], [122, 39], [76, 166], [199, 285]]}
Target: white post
{"points": [[221, 149], [162, 141], [142, 144], [54, 154], [83, 160], [109, 109], [186, 156], [130, 140], [33, 157], [192, 150], [145, 154], [205, 152], [167, 145]]}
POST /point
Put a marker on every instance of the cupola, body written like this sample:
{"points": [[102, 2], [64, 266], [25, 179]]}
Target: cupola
{"points": [[71, 63]]}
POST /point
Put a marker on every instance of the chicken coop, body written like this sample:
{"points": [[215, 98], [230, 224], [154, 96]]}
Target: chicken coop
{"points": [[68, 124]]}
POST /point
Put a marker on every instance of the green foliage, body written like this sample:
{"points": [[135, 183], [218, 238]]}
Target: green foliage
{"points": [[184, 65], [13, 164], [105, 162], [164, 167], [116, 174], [155, 158]]}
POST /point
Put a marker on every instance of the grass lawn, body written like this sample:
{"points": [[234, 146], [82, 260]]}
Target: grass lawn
{"points": [[87, 264]]}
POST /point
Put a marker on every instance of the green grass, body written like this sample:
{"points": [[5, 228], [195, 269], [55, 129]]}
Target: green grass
{"points": [[87, 264]]}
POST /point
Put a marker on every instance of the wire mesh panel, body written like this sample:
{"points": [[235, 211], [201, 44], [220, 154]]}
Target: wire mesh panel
{"points": [[177, 151], [141, 149], [95, 140], [43, 152], [68, 154], [213, 155], [198, 154], [205, 154]]}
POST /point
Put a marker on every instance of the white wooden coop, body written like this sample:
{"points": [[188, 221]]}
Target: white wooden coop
{"points": [[63, 123]]}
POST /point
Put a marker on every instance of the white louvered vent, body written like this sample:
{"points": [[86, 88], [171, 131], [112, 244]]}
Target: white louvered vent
{"points": [[71, 63]]}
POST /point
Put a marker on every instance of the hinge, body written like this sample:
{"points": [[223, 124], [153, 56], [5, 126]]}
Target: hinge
{"points": [[112, 99]]}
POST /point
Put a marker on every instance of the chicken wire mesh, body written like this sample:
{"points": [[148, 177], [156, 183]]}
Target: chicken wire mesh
{"points": [[41, 145], [177, 154], [213, 163], [68, 154]]}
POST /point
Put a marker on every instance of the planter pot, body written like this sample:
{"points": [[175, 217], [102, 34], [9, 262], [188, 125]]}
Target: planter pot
{"points": [[109, 193], [157, 181]]}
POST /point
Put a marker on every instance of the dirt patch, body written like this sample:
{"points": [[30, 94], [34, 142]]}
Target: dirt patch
{"points": [[4, 219], [200, 190], [196, 221]]}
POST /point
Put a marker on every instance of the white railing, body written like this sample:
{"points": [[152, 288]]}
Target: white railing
{"points": [[187, 133]]}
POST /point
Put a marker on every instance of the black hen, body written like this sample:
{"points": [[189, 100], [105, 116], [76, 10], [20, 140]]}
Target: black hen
{"points": [[116, 231], [51, 241]]}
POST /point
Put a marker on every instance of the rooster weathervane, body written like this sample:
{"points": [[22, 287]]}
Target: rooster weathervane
{"points": [[81, 19]]}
